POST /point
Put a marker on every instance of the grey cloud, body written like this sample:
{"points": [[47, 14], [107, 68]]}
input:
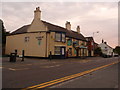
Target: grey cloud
{"points": [[19, 14]]}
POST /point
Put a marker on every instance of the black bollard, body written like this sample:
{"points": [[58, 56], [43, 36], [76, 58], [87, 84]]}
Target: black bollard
{"points": [[50, 56], [16, 52]]}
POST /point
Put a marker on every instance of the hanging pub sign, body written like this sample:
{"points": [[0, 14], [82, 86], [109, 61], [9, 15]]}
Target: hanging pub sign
{"points": [[39, 38]]}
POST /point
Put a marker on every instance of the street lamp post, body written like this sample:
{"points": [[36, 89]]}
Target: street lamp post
{"points": [[93, 39]]}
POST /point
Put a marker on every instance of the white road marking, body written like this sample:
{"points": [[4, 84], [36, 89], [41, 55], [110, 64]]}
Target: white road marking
{"points": [[18, 69], [11, 69], [51, 66]]}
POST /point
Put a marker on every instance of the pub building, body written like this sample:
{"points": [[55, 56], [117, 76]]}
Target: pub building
{"points": [[42, 39]]}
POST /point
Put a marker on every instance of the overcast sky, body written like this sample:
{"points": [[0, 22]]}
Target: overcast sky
{"points": [[92, 17]]}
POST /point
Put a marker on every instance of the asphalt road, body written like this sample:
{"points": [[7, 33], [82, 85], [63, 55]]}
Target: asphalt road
{"points": [[103, 78], [35, 71]]}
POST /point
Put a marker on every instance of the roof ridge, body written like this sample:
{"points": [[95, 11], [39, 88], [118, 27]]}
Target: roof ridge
{"points": [[55, 25]]}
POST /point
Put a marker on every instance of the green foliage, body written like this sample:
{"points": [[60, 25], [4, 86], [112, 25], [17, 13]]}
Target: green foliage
{"points": [[117, 50], [98, 51]]}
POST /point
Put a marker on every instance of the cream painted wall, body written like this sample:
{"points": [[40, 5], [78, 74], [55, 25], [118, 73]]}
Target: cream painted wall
{"points": [[31, 48], [52, 42], [37, 25]]}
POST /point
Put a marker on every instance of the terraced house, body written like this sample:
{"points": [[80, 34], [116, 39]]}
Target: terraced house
{"points": [[40, 39]]}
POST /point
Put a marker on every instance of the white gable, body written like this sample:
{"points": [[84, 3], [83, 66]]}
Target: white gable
{"points": [[106, 49]]}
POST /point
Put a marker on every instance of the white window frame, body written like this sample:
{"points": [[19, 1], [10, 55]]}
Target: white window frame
{"points": [[26, 39], [57, 50], [57, 36], [63, 37]]}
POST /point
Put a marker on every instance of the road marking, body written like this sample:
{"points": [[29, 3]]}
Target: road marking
{"points": [[51, 66], [50, 83], [12, 69], [18, 69]]}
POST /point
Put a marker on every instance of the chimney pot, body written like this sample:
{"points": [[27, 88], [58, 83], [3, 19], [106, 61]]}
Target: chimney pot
{"points": [[102, 41], [68, 25], [78, 29], [105, 42], [37, 13]]}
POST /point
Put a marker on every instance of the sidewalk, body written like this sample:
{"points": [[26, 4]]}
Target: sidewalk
{"points": [[6, 59]]}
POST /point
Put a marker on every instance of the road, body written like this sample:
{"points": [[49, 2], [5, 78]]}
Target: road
{"points": [[36, 71], [104, 78]]}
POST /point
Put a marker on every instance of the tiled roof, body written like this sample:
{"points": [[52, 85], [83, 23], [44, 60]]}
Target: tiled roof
{"points": [[55, 28], [21, 30], [69, 33]]}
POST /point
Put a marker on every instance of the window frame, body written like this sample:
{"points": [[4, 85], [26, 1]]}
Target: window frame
{"points": [[63, 40], [57, 51], [56, 37], [26, 39], [61, 37]]}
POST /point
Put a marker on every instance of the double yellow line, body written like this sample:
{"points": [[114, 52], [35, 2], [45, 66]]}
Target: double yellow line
{"points": [[56, 81]]}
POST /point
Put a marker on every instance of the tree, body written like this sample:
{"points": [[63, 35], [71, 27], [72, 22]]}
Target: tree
{"points": [[4, 33], [117, 50], [98, 51]]}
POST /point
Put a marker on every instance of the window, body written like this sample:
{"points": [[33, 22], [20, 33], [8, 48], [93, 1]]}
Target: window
{"points": [[83, 43], [60, 37], [57, 50], [69, 42], [106, 48], [92, 43], [77, 42], [27, 39], [57, 37], [75, 51], [63, 37], [63, 51]]}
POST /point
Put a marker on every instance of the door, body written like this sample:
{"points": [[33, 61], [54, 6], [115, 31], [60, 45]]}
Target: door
{"points": [[63, 52]]}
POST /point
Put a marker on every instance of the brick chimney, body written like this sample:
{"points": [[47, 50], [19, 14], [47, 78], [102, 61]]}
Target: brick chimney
{"points": [[37, 13], [68, 25], [78, 29]]}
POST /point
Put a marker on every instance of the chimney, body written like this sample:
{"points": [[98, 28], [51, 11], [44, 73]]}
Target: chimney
{"points": [[105, 42], [78, 29], [68, 25], [37, 13], [102, 41]]}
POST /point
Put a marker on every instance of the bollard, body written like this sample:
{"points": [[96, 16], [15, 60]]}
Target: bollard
{"points": [[50, 56]]}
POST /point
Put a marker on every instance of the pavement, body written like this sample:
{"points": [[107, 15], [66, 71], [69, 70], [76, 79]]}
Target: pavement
{"points": [[36, 71]]}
